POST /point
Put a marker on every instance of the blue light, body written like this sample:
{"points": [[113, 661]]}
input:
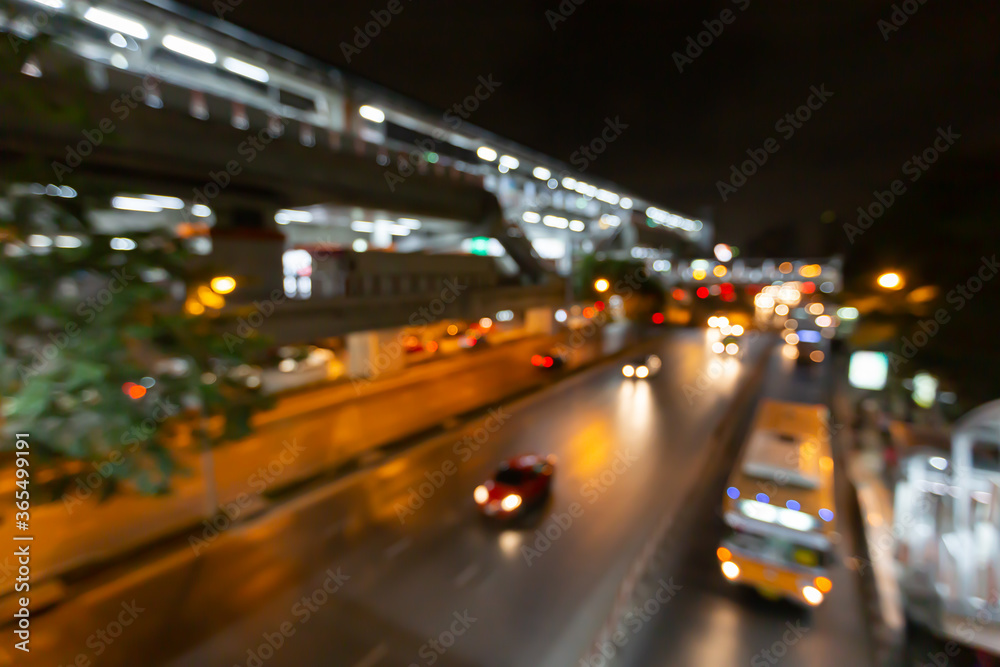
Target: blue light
{"points": [[793, 505], [826, 515], [808, 336], [733, 492], [762, 498]]}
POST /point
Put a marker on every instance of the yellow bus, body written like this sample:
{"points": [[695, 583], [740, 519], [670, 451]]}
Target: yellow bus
{"points": [[779, 505]]}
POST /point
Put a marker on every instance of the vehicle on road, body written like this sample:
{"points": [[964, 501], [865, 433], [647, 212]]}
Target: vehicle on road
{"points": [[642, 367], [779, 505], [413, 344], [473, 339], [520, 484], [551, 359], [732, 323], [728, 345], [810, 346]]}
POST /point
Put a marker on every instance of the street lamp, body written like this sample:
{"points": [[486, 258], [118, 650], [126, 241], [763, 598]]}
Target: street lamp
{"points": [[890, 280], [223, 284], [601, 285]]}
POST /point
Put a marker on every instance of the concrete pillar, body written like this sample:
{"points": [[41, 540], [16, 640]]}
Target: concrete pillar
{"points": [[539, 320], [371, 354]]}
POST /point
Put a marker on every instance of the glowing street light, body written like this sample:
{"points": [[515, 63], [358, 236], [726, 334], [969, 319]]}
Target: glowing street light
{"points": [[223, 284], [723, 252], [186, 47], [890, 280], [601, 285], [374, 114]]}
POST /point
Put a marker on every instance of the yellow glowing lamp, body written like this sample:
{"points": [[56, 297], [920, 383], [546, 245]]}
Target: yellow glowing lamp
{"points": [[223, 284], [210, 298]]}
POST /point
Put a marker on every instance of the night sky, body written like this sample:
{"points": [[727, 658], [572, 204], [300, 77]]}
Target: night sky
{"points": [[898, 72], [892, 88]]}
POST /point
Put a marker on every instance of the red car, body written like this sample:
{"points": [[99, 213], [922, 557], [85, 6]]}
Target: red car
{"points": [[553, 359], [519, 484]]}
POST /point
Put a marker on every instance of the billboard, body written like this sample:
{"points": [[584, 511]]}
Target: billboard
{"points": [[868, 370]]}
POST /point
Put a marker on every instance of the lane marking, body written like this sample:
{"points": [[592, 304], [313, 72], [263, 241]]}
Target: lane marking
{"points": [[373, 656], [399, 547], [466, 575]]}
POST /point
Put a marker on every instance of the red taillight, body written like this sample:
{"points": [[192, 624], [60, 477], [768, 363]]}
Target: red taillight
{"points": [[702, 292], [548, 362], [471, 341], [536, 360], [657, 318], [599, 305]]}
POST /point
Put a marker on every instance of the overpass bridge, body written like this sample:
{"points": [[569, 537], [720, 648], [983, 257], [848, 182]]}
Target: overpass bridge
{"points": [[145, 115]]}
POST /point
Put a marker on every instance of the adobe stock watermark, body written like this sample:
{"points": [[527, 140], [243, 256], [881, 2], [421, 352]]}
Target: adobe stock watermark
{"points": [[462, 110], [435, 647], [623, 288], [260, 481], [887, 539], [144, 92], [560, 522], [363, 35], [714, 28], [915, 167], [773, 654], [422, 317], [302, 611], [786, 126], [102, 638], [562, 12], [223, 7], [901, 13], [957, 297], [966, 630], [583, 156], [716, 369], [248, 150], [248, 325], [87, 310], [634, 620], [579, 336], [464, 450], [85, 486], [18, 33], [417, 159]]}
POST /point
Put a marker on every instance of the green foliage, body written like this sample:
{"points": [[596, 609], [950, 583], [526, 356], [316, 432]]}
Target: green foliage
{"points": [[78, 323]]}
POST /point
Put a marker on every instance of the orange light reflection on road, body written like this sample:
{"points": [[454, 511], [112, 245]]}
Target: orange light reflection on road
{"points": [[590, 450]]}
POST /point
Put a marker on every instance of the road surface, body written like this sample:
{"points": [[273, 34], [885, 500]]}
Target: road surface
{"points": [[712, 622], [344, 575]]}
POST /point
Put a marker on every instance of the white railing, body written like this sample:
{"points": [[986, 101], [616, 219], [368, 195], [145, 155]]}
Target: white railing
{"points": [[947, 527]]}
